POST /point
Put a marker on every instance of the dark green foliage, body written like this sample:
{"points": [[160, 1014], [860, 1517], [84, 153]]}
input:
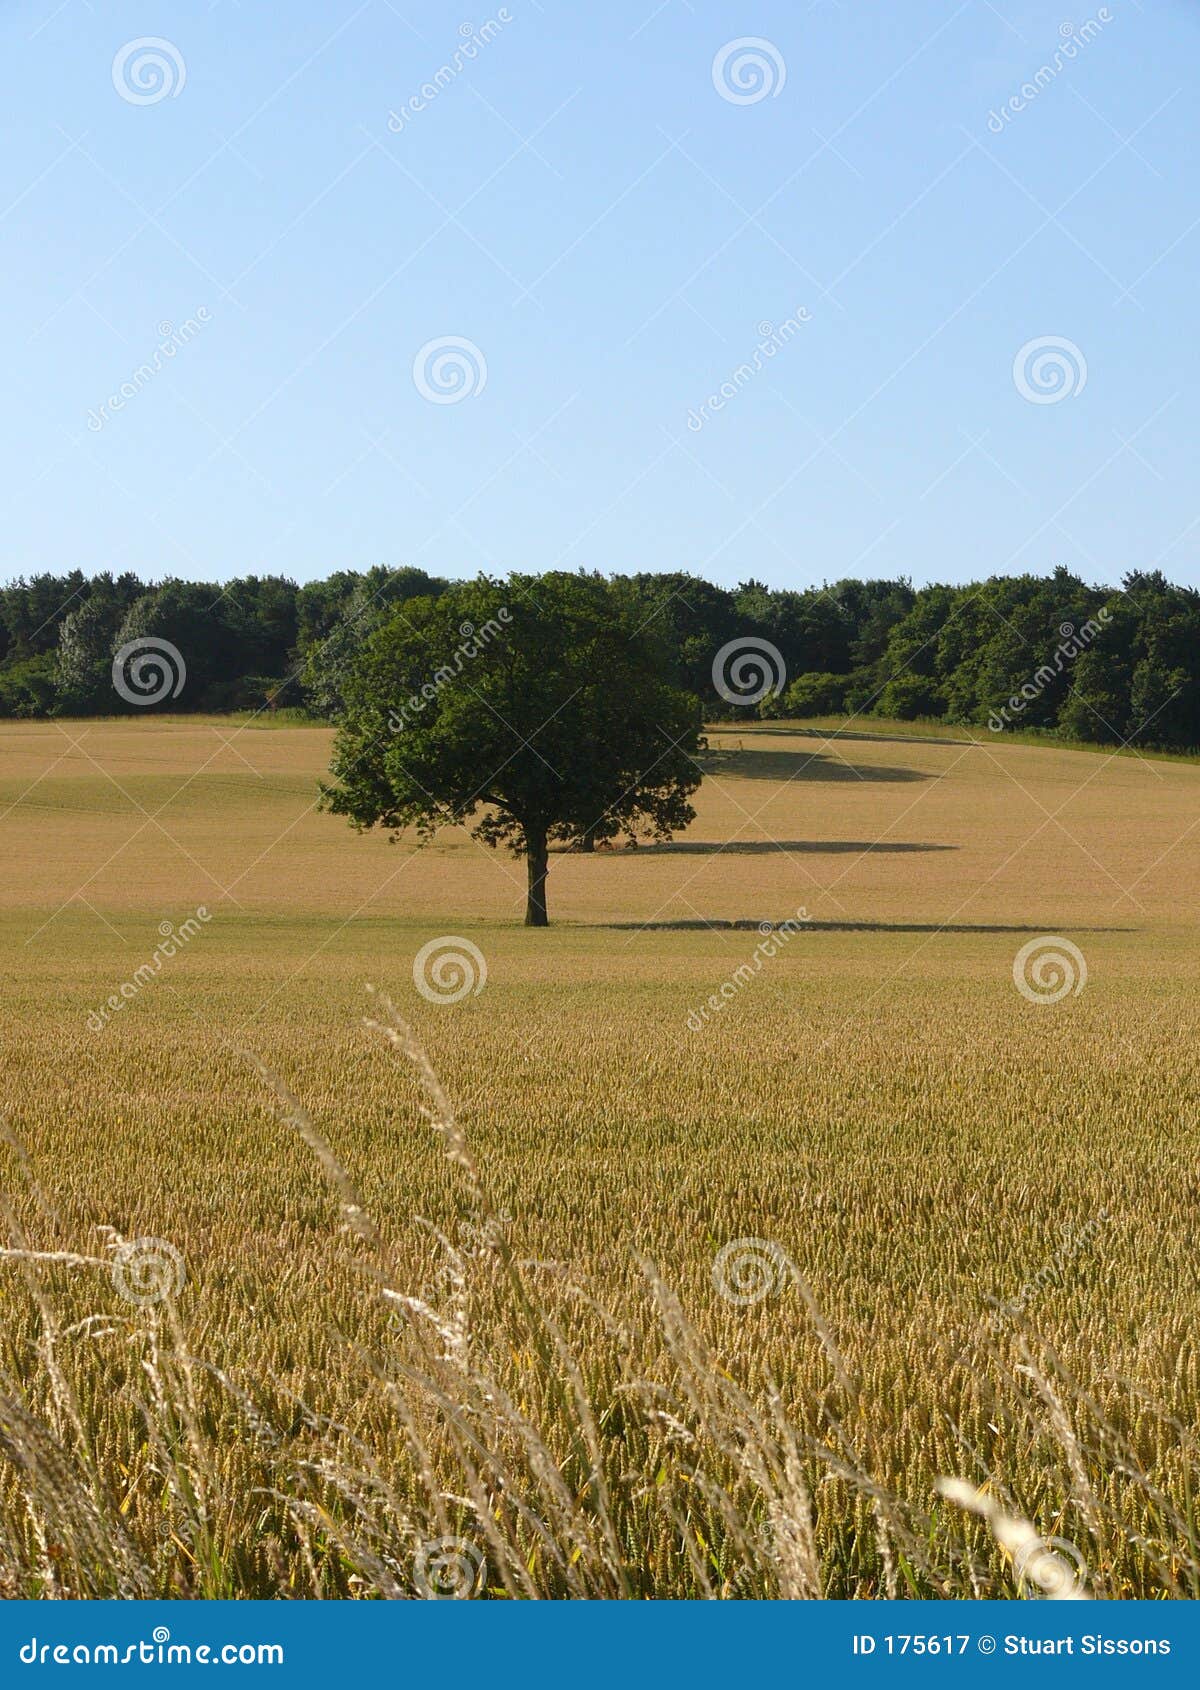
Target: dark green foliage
{"points": [[814, 695], [31, 612], [336, 616], [206, 627], [1031, 653], [693, 619], [86, 642], [1006, 652], [27, 686]]}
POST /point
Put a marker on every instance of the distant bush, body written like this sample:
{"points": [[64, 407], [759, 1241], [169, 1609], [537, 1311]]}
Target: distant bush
{"points": [[816, 694], [27, 687], [908, 697]]}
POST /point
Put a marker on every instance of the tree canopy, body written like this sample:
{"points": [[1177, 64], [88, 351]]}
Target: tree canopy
{"points": [[960, 654], [533, 709]]}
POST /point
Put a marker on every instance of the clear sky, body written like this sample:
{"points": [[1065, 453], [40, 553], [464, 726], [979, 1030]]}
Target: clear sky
{"points": [[613, 235]]}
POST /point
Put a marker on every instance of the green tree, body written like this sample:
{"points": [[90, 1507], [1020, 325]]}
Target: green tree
{"points": [[814, 694], [535, 704], [693, 619], [31, 611], [1014, 636], [86, 643], [810, 630], [27, 686], [874, 608], [335, 618], [266, 608], [201, 624], [907, 684], [1139, 681], [1164, 699]]}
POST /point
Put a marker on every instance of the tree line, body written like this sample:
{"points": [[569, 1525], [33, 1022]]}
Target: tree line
{"points": [[1034, 653]]}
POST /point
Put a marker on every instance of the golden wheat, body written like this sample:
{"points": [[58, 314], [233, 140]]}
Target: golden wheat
{"points": [[970, 1216]]}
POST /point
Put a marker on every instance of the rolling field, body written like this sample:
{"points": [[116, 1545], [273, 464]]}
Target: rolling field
{"points": [[963, 1219]]}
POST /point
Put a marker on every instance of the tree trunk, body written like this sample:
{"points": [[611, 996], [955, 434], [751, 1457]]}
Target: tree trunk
{"points": [[587, 839], [537, 860]]}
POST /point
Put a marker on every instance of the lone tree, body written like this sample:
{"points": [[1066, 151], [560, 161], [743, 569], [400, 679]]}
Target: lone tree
{"points": [[537, 704]]}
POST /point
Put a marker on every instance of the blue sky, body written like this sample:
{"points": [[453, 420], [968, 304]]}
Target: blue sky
{"points": [[613, 237]]}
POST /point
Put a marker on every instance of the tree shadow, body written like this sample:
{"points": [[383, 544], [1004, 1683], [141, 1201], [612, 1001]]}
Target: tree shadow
{"points": [[745, 924], [780, 766], [790, 847], [836, 735]]}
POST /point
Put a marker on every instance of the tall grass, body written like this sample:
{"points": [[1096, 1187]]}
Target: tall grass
{"points": [[515, 1438]]}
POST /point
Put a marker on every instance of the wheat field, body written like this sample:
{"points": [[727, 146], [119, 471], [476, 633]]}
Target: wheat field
{"points": [[670, 1254]]}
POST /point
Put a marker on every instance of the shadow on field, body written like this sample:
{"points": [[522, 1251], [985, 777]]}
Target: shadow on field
{"points": [[801, 766], [831, 736], [745, 925], [764, 847]]}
